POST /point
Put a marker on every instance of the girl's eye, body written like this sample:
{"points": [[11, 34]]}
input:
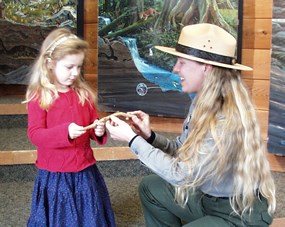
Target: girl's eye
{"points": [[69, 67], [73, 67]]}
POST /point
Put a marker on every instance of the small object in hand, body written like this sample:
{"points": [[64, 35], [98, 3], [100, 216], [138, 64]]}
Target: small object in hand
{"points": [[105, 119]]}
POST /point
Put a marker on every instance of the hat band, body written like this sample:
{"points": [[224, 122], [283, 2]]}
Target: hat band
{"points": [[205, 55]]}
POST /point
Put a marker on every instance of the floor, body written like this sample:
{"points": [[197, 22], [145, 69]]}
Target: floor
{"points": [[122, 179]]}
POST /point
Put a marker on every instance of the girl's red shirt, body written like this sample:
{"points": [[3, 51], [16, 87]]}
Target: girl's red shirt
{"points": [[48, 131]]}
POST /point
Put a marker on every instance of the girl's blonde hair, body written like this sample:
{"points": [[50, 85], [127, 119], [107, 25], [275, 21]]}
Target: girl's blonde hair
{"points": [[224, 110], [59, 43]]}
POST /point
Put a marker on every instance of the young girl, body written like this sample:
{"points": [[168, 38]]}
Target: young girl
{"points": [[216, 172], [69, 189]]}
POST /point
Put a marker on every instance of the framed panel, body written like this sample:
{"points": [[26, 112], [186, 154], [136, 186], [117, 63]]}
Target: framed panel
{"points": [[132, 74], [24, 25], [276, 126]]}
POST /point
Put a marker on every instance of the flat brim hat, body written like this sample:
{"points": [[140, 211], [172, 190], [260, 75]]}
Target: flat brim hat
{"points": [[206, 43]]}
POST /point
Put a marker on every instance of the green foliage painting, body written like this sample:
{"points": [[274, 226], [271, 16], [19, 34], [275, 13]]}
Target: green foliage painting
{"points": [[24, 25]]}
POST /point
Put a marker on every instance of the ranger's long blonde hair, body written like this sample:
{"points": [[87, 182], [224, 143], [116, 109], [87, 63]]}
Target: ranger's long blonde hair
{"points": [[59, 43], [238, 140]]}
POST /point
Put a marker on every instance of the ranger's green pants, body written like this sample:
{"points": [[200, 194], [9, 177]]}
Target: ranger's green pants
{"points": [[160, 209]]}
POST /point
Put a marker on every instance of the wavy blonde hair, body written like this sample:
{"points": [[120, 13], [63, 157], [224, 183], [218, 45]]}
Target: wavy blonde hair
{"points": [[59, 43], [238, 142]]}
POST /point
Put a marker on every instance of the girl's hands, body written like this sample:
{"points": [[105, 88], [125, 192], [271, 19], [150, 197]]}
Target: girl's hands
{"points": [[75, 131], [99, 128], [119, 129]]}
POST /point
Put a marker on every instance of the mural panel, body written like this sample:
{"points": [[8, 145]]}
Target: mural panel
{"points": [[132, 74], [276, 126], [24, 25]]}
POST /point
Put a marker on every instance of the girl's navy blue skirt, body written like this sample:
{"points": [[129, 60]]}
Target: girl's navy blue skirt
{"points": [[71, 199]]}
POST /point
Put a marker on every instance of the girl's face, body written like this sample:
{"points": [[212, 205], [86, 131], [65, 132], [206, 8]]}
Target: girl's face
{"points": [[191, 73], [66, 70]]}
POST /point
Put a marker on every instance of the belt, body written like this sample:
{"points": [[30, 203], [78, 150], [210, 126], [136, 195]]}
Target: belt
{"points": [[211, 196]]}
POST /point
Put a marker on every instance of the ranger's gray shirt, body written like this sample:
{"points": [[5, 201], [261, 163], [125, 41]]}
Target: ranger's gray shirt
{"points": [[159, 157]]}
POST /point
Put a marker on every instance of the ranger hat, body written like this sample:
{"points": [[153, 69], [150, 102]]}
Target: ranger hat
{"points": [[206, 43]]}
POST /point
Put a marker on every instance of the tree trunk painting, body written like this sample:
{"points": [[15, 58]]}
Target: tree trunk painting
{"points": [[132, 74], [196, 11]]}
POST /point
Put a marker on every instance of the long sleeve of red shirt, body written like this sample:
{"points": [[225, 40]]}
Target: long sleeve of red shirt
{"points": [[48, 131]]}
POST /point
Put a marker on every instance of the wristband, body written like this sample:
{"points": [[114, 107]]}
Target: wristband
{"points": [[131, 141], [151, 138]]}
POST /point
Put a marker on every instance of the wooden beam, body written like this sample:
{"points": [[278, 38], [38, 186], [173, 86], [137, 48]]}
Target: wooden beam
{"points": [[277, 163], [260, 93], [257, 9], [91, 35], [101, 154], [257, 33], [260, 61], [262, 116], [91, 63], [11, 109], [90, 11]]}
